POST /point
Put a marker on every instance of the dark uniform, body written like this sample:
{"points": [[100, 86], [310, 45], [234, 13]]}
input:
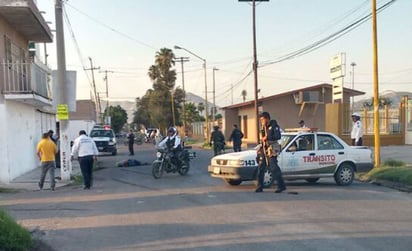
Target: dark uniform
{"points": [[269, 152], [218, 140], [236, 137], [130, 138]]}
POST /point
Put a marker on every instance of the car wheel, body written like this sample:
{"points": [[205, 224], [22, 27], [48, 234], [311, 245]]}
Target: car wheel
{"points": [[267, 178], [233, 182], [345, 175], [114, 152], [312, 180]]}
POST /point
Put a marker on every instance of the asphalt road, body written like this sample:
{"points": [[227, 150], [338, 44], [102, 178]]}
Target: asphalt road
{"points": [[129, 210]]}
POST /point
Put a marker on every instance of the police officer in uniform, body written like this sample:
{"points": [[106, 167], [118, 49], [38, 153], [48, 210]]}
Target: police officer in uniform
{"points": [[357, 130], [173, 143], [267, 154]]}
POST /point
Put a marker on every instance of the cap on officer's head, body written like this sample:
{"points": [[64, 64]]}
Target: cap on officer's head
{"points": [[355, 114]]}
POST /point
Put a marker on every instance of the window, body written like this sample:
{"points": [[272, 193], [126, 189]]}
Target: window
{"points": [[327, 142], [304, 143]]}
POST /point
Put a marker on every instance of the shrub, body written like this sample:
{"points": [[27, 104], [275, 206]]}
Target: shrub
{"points": [[392, 162], [12, 235]]}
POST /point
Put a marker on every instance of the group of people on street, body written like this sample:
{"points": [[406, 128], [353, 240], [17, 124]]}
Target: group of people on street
{"points": [[86, 151], [84, 148], [217, 139]]}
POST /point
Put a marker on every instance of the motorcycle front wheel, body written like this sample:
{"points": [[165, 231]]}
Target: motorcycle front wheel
{"points": [[157, 169], [184, 169]]}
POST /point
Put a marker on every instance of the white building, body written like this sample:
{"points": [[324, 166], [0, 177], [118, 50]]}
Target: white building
{"points": [[25, 97]]}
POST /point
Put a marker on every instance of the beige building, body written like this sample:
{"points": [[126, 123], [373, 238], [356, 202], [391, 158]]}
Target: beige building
{"points": [[288, 108]]}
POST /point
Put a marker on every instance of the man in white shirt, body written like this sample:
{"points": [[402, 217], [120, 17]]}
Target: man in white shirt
{"points": [[86, 151], [173, 143], [357, 130]]}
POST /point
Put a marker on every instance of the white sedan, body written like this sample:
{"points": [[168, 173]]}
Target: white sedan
{"points": [[308, 155]]}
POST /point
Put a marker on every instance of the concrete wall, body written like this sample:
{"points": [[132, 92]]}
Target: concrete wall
{"points": [[22, 129]]}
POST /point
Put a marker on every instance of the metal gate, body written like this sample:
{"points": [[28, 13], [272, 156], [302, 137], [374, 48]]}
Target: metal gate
{"points": [[408, 122]]}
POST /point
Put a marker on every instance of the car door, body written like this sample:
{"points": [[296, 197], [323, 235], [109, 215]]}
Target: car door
{"points": [[294, 157], [329, 153]]}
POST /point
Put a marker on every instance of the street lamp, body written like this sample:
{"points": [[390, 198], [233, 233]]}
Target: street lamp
{"points": [[204, 68]]}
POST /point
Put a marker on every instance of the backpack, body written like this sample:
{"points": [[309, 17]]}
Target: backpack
{"points": [[276, 129]]}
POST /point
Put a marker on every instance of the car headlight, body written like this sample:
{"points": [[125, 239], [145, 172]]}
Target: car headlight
{"points": [[111, 143]]}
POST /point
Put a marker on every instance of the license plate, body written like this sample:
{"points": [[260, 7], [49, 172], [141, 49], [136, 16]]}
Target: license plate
{"points": [[216, 170], [100, 148]]}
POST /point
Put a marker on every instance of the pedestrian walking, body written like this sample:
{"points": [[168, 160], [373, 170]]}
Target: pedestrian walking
{"points": [[86, 151], [268, 152], [217, 139], [357, 130], [46, 150], [130, 138], [236, 137], [56, 139]]}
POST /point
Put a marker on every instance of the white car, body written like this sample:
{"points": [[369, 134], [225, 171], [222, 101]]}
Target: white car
{"points": [[308, 155], [105, 140]]}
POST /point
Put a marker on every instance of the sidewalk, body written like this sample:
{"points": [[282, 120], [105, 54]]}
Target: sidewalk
{"points": [[29, 181]]}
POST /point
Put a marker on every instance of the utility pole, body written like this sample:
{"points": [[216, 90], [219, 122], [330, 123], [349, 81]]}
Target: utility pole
{"points": [[107, 120], [376, 87], [62, 98], [182, 60], [97, 100], [255, 62], [214, 92]]}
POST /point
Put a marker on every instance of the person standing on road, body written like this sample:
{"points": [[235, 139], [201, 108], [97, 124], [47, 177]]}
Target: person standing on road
{"points": [[236, 138], [218, 140], [130, 138], [357, 130], [269, 136], [86, 151], [46, 150]]}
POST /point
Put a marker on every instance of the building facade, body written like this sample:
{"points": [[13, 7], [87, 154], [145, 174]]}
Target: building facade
{"points": [[25, 98]]}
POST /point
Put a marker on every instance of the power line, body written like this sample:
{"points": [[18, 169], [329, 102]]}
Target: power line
{"points": [[326, 40], [111, 28]]}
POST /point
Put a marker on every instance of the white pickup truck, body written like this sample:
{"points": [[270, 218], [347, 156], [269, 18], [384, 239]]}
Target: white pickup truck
{"points": [[105, 140], [308, 155]]}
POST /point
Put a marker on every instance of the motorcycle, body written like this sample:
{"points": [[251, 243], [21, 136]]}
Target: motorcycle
{"points": [[163, 163]]}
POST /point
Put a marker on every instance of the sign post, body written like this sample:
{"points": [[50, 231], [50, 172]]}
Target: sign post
{"points": [[337, 72]]}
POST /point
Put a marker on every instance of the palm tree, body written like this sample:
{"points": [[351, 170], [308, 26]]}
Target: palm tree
{"points": [[243, 94]]}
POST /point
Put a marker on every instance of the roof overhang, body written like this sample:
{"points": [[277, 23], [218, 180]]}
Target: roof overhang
{"points": [[347, 91], [26, 19]]}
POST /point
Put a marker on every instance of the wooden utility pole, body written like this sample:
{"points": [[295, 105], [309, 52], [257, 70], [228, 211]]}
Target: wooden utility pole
{"points": [[96, 97]]}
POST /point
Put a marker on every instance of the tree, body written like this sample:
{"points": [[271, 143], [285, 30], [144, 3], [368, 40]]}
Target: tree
{"points": [[118, 117], [156, 108], [200, 107], [383, 101]]}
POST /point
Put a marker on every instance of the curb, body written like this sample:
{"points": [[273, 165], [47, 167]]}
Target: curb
{"points": [[395, 185]]}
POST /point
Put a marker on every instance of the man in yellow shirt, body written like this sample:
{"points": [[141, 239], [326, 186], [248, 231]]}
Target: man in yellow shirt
{"points": [[46, 150]]}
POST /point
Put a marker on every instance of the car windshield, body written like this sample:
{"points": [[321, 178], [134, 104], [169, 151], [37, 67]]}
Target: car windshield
{"points": [[286, 138], [101, 133]]}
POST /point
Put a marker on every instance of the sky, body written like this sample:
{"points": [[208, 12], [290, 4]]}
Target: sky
{"points": [[122, 37]]}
